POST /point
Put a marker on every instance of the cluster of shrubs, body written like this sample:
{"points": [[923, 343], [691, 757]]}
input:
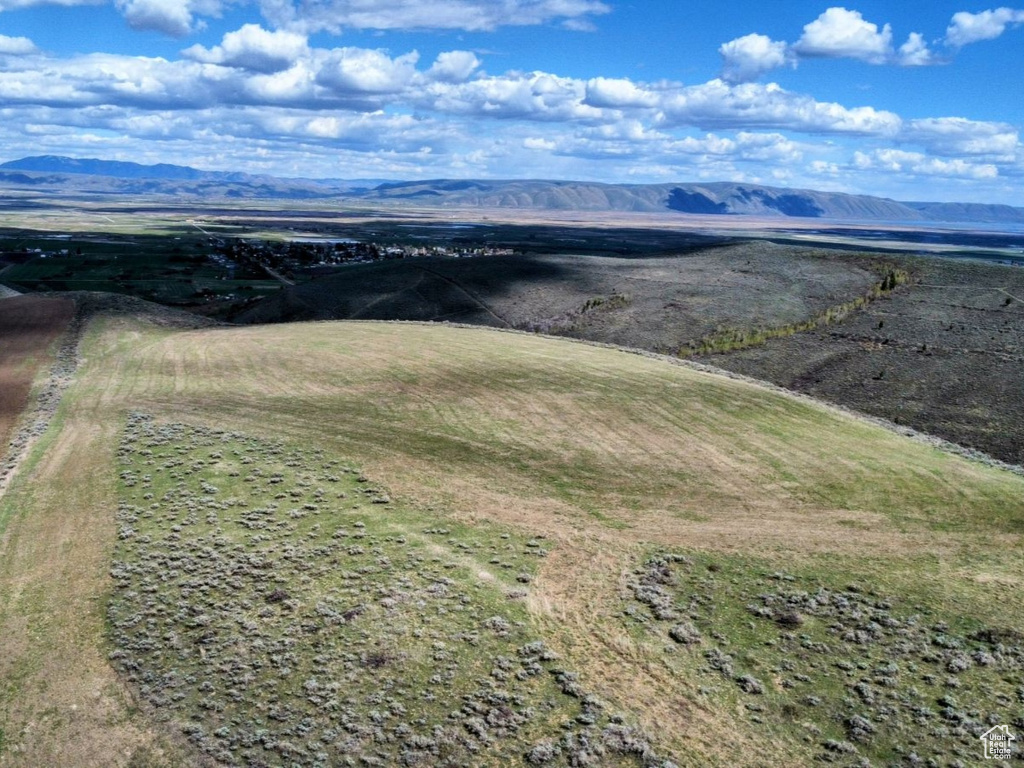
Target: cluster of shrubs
{"points": [[573, 321], [856, 673], [274, 606]]}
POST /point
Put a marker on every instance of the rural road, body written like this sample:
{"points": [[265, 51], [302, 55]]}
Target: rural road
{"points": [[277, 275]]}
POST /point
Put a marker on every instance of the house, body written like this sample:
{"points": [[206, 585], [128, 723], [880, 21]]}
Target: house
{"points": [[998, 743]]}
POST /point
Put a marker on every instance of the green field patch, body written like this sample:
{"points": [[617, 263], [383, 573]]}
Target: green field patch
{"points": [[178, 271], [278, 608], [857, 676]]}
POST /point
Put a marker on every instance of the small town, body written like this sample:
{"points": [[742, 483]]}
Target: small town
{"points": [[288, 257]]}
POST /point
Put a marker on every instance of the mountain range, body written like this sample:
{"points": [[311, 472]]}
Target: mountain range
{"points": [[52, 174]]}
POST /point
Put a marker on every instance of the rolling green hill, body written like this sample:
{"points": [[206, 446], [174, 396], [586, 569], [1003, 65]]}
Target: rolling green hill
{"points": [[414, 544]]}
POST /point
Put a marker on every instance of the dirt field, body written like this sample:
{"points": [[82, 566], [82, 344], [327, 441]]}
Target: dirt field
{"points": [[28, 327]]}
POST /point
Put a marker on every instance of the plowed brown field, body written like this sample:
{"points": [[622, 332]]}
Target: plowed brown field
{"points": [[28, 327]]}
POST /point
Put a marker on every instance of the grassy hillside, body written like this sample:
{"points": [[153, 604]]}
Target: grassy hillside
{"points": [[932, 343], [702, 556]]}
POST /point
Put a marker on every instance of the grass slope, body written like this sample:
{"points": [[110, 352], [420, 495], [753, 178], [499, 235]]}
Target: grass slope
{"points": [[613, 458], [326, 627]]}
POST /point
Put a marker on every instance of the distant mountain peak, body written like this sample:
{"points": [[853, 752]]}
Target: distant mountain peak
{"points": [[720, 198], [95, 167], [116, 177]]}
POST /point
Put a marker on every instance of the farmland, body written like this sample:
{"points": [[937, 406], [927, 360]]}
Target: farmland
{"points": [[169, 269], [266, 524], [29, 326]]}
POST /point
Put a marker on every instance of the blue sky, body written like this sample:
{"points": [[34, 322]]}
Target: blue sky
{"points": [[910, 100]]}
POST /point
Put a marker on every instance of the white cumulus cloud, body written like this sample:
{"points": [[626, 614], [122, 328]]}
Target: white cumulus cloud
{"points": [[469, 15], [745, 146], [453, 66], [538, 143], [617, 93], [253, 48], [172, 17], [16, 46], [747, 58], [841, 33], [838, 33], [953, 136], [295, 85], [538, 96], [915, 52], [366, 71], [966, 28], [917, 163], [717, 104]]}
